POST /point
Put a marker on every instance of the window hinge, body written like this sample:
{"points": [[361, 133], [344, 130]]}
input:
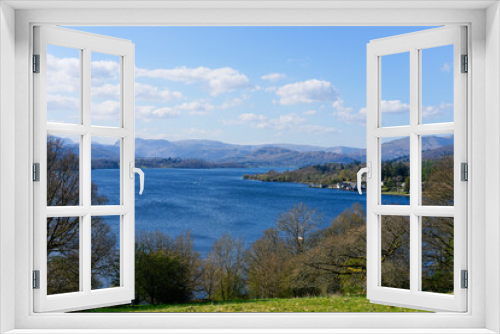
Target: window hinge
{"points": [[465, 64], [36, 63], [464, 171], [36, 279], [36, 172], [465, 279]]}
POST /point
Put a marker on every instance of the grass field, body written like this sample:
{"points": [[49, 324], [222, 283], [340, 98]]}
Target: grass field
{"points": [[311, 304]]}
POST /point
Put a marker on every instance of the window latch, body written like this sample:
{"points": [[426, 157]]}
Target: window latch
{"points": [[368, 171], [133, 170]]}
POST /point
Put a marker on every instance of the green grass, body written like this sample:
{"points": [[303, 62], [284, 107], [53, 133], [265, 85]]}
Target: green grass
{"points": [[336, 303]]}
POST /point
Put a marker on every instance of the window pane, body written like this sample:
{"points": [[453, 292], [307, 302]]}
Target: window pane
{"points": [[105, 171], [437, 170], [63, 170], [437, 84], [63, 255], [395, 89], [437, 254], [395, 252], [105, 252], [395, 171], [63, 85], [105, 90]]}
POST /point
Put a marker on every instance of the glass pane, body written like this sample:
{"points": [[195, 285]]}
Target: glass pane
{"points": [[63, 85], [63, 255], [105, 90], [395, 171], [105, 252], [63, 170], [395, 89], [437, 84], [437, 254], [437, 170], [105, 171], [395, 253]]}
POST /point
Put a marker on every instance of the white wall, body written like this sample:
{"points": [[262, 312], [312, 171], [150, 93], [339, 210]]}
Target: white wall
{"points": [[7, 160], [492, 165]]}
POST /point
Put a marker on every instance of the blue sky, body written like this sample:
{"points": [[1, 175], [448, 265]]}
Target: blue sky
{"points": [[254, 85]]}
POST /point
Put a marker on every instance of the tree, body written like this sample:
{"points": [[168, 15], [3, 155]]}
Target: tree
{"points": [[63, 233], [337, 261], [296, 225], [437, 254], [227, 264], [167, 269], [438, 185], [268, 267], [160, 278]]}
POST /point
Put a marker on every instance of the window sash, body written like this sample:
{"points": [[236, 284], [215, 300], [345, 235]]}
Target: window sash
{"points": [[413, 43], [85, 297]]}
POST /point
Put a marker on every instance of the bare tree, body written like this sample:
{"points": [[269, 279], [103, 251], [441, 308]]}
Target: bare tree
{"points": [[296, 225], [438, 187], [226, 257], [268, 266]]}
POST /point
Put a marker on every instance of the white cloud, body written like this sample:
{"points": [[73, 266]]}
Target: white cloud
{"points": [[151, 93], [149, 113], [59, 102], [245, 118], [219, 80], [63, 74], [290, 122], [197, 107], [307, 92], [445, 68], [202, 133], [310, 112], [106, 91], [347, 114], [106, 110], [434, 111], [394, 106], [104, 71], [273, 77], [232, 103]]}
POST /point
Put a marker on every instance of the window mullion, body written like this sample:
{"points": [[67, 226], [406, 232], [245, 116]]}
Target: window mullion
{"points": [[85, 158], [414, 169]]}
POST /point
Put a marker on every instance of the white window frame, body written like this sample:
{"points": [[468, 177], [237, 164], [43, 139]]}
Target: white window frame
{"points": [[484, 103]]}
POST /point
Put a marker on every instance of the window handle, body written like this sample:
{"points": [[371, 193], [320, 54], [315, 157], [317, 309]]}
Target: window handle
{"points": [[363, 170], [141, 175]]}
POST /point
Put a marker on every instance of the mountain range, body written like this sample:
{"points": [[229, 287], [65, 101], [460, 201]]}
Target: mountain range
{"points": [[276, 155]]}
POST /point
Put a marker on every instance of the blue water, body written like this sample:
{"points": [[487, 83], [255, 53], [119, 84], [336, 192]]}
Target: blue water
{"points": [[211, 202]]}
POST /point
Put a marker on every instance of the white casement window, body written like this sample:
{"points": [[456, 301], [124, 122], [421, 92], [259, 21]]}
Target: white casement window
{"points": [[25, 211], [422, 216], [74, 216]]}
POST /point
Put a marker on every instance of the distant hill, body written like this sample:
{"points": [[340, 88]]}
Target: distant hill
{"points": [[275, 155]]}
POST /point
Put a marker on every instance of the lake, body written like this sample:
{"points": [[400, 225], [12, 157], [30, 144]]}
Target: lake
{"points": [[211, 202]]}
